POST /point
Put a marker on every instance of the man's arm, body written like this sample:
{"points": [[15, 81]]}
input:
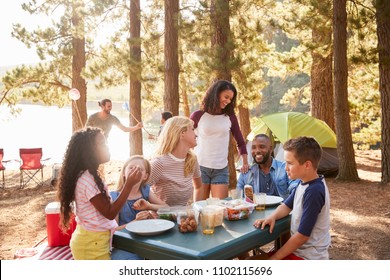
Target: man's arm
{"points": [[130, 128]]}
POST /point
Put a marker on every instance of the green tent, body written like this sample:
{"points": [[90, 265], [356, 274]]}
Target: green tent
{"points": [[287, 125]]}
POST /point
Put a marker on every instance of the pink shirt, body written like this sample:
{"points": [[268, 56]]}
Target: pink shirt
{"points": [[86, 214]]}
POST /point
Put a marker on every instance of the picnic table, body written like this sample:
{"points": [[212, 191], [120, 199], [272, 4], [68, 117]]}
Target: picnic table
{"points": [[231, 239]]}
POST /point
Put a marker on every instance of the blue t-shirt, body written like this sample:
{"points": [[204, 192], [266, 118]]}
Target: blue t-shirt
{"points": [[127, 213]]}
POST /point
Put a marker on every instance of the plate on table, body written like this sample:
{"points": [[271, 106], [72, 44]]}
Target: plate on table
{"points": [[150, 227], [272, 200]]}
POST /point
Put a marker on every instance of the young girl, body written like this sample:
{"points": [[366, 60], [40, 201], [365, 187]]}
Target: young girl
{"points": [[214, 122], [81, 183], [175, 171], [140, 204]]}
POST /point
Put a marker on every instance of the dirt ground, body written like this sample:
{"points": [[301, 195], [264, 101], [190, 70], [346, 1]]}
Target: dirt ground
{"points": [[360, 212]]}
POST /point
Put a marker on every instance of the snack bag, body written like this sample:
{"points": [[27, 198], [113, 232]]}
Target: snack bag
{"points": [[248, 191]]}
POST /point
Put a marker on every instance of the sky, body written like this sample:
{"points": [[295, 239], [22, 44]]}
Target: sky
{"points": [[12, 51]]}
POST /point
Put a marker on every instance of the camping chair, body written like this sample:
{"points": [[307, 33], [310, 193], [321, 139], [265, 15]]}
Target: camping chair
{"points": [[2, 167], [31, 164]]}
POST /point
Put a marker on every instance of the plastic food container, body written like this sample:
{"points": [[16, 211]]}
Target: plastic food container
{"points": [[186, 221], [218, 210], [237, 209], [167, 214]]}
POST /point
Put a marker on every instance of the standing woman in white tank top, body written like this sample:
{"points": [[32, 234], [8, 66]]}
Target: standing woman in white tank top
{"points": [[214, 122]]}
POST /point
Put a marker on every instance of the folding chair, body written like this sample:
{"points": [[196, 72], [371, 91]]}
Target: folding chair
{"points": [[31, 164], [2, 167]]}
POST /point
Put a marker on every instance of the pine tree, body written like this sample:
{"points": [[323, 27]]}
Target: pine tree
{"points": [[383, 32], [347, 163]]}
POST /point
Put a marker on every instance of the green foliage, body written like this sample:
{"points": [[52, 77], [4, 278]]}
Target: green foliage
{"points": [[298, 18], [42, 83], [48, 82]]}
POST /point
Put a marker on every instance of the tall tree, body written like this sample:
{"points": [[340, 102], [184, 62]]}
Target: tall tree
{"points": [[383, 33], [135, 76], [171, 57], [79, 107], [347, 164], [221, 45], [321, 73], [184, 90]]}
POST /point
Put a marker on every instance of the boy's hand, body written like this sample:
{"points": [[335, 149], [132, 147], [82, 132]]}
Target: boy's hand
{"points": [[261, 223]]}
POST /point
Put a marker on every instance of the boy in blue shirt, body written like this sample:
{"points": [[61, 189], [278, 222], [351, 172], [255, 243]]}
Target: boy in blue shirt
{"points": [[309, 204]]}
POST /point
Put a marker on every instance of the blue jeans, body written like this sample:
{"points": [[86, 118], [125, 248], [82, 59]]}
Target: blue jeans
{"points": [[215, 176]]}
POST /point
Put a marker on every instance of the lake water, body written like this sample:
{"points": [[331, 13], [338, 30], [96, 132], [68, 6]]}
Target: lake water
{"points": [[50, 127]]}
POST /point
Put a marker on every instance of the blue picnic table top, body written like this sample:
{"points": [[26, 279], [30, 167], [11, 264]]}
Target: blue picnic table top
{"points": [[228, 241]]}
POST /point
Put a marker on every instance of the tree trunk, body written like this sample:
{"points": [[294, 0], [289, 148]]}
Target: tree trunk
{"points": [[171, 58], [135, 82], [322, 81], [79, 107], [245, 126], [243, 116], [220, 39], [220, 43], [347, 164], [383, 33], [184, 92]]}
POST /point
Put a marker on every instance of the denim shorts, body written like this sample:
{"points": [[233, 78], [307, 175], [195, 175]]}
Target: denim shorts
{"points": [[215, 176]]}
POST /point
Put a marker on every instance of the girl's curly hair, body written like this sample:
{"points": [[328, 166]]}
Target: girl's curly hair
{"points": [[80, 156], [211, 103]]}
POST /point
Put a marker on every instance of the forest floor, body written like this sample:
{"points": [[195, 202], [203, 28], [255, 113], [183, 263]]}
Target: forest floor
{"points": [[360, 212]]}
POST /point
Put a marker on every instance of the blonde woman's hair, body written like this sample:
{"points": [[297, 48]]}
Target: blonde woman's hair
{"points": [[170, 137], [122, 176]]}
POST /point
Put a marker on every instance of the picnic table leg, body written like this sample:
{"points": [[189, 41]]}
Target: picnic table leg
{"points": [[281, 240]]}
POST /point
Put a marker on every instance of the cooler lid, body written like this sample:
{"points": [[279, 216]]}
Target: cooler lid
{"points": [[53, 208]]}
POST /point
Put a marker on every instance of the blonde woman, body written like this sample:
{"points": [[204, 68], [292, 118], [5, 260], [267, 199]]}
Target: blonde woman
{"points": [[140, 204], [175, 176]]}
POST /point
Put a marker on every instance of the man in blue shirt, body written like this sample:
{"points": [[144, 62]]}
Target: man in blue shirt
{"points": [[266, 174]]}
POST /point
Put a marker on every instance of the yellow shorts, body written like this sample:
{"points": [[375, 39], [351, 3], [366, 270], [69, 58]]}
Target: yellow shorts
{"points": [[90, 245]]}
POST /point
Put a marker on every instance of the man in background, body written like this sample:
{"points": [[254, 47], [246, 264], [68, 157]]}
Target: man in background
{"points": [[105, 120]]}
